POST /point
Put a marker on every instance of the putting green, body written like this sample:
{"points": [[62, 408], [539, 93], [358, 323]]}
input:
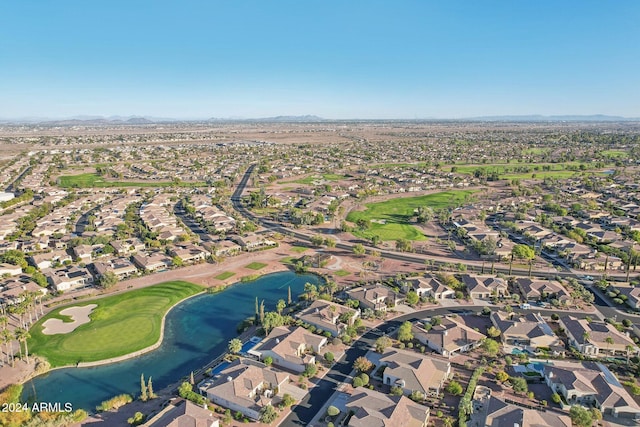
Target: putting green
{"points": [[120, 324], [390, 219]]}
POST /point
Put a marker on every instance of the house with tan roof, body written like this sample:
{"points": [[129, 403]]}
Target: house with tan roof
{"points": [[414, 371], [371, 408], [328, 316], [448, 338], [374, 297], [484, 287], [151, 261], [597, 339], [246, 386], [591, 384], [428, 286], [190, 253], [530, 332], [541, 290], [183, 413], [501, 414], [290, 347]]}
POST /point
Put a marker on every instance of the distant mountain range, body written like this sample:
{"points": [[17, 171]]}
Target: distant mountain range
{"points": [[143, 120], [566, 118]]}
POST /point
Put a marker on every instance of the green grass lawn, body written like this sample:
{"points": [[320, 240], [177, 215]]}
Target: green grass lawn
{"points": [[256, 266], [313, 178], [92, 180], [288, 260], [225, 275], [120, 324], [618, 154], [298, 249], [397, 213], [342, 273]]}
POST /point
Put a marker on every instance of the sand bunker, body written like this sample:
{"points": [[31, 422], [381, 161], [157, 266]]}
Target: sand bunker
{"points": [[80, 316]]}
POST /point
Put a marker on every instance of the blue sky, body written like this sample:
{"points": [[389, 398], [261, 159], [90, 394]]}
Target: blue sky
{"points": [[336, 59]]}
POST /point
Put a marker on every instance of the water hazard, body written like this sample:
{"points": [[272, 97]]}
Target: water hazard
{"points": [[196, 332]]}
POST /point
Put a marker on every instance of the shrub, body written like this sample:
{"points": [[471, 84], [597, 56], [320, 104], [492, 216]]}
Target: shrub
{"points": [[329, 357], [115, 402]]}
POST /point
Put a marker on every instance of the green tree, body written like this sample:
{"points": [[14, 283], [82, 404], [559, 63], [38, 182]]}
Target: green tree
{"points": [[454, 388], [491, 347], [268, 360], [107, 280], [329, 357], [143, 389], [362, 364], [502, 376], [519, 385], [404, 332], [580, 417], [289, 295], [280, 306], [22, 335], [235, 345], [287, 400], [493, 332], [150, 392], [317, 240], [268, 414], [555, 398], [358, 249], [310, 370], [382, 343], [177, 261], [412, 298]]}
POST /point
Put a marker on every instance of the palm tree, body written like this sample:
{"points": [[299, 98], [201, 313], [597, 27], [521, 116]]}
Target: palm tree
{"points": [[629, 349], [22, 335], [609, 341], [7, 339]]}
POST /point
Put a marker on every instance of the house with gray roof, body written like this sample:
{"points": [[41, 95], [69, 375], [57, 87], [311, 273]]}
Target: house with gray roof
{"points": [[290, 347]]}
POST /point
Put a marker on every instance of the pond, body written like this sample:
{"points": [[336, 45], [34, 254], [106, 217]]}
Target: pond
{"points": [[196, 331]]}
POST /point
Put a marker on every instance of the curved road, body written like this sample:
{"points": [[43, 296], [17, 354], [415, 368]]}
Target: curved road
{"points": [[304, 412]]}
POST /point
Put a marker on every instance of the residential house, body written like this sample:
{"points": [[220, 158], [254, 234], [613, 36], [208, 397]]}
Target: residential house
{"points": [[328, 316], [83, 253], [70, 277], [484, 287], [414, 371], [374, 297], [448, 338], [428, 286], [49, 259], [290, 347], [190, 253], [128, 247], [591, 384], [501, 414], [151, 261], [371, 408], [542, 290], [253, 242], [633, 295], [529, 332], [11, 290], [183, 413], [246, 386], [222, 248], [10, 269], [121, 267], [596, 338]]}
